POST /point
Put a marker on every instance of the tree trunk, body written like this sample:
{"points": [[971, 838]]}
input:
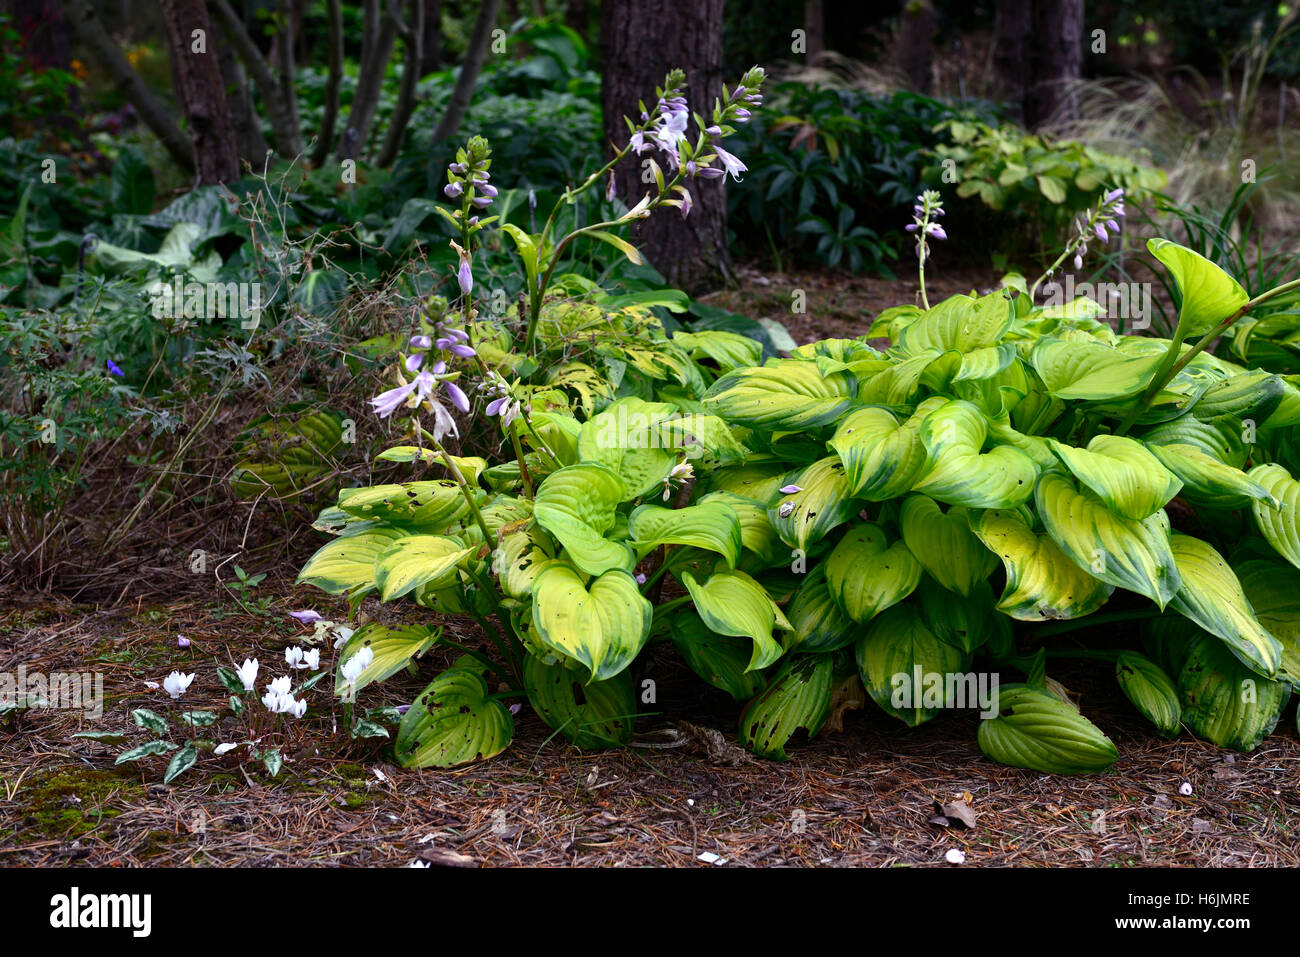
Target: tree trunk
{"points": [[469, 70], [916, 43], [1012, 22], [1057, 61], [285, 129], [370, 81], [212, 132], [288, 77], [329, 118], [413, 37], [639, 45], [431, 46], [249, 141], [814, 24]]}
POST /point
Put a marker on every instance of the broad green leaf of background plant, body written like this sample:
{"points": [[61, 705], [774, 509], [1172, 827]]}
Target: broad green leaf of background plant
{"points": [[597, 714], [732, 603], [881, 457], [785, 394], [418, 560], [1207, 481], [944, 544], [1038, 731], [888, 653], [1126, 476], [347, 564], [866, 574], [1280, 525], [433, 505], [1150, 690], [713, 526], [824, 501], [1273, 589], [1209, 295], [392, 648], [721, 660], [1089, 370], [1120, 551], [797, 697], [602, 625], [958, 473], [1225, 702], [577, 504], [453, 722]]}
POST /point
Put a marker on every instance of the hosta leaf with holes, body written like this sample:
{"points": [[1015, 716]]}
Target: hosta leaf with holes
{"points": [[732, 603], [881, 456], [890, 652], [392, 648], [1042, 581], [1089, 370], [805, 517], [577, 504], [1207, 481], [1212, 597], [347, 564], [520, 558], [1280, 524], [603, 624], [418, 560], [786, 394], [867, 574], [1150, 690], [1120, 551], [713, 526], [1273, 589], [453, 722], [966, 623], [1209, 295], [756, 531], [1225, 702], [1252, 395], [957, 472], [944, 544], [758, 481], [1039, 731], [435, 504], [818, 623], [597, 714], [1126, 476], [797, 698], [721, 660]]}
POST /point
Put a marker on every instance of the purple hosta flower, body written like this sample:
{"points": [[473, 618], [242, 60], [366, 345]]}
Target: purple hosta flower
{"points": [[929, 206], [489, 191], [611, 189], [421, 342], [1078, 261], [715, 131], [306, 616], [1114, 194], [637, 142], [506, 407], [741, 115], [482, 202], [790, 489], [464, 351], [937, 231], [460, 169], [785, 509], [457, 395], [412, 362], [452, 190], [386, 403], [730, 163], [640, 578], [113, 368], [1112, 226], [710, 172], [1100, 230], [686, 203], [182, 641], [465, 277], [682, 473]]}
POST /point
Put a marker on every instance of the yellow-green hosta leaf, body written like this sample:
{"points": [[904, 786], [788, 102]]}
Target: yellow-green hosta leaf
{"points": [[1273, 589], [788, 394], [959, 324], [896, 655], [1209, 295], [1150, 690], [624, 439], [1220, 438], [347, 564], [756, 532], [453, 722], [519, 558], [392, 649], [598, 714], [710, 525], [732, 603], [701, 436], [1043, 583], [1207, 481], [944, 544], [1212, 597], [1089, 370], [823, 501], [866, 574], [721, 660], [1280, 524], [797, 698], [958, 473], [1255, 395], [1123, 472], [966, 623], [758, 480], [730, 350], [1120, 551], [603, 624], [896, 384], [1225, 702], [986, 362], [1039, 731], [577, 504], [819, 624], [881, 457], [418, 560], [434, 504]]}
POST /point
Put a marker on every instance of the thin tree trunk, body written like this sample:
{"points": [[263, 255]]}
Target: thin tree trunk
{"points": [[1013, 22], [329, 118], [1057, 61], [285, 131], [370, 83], [288, 79], [639, 46], [430, 47], [413, 37], [916, 43], [212, 132], [248, 131], [469, 70], [814, 24]]}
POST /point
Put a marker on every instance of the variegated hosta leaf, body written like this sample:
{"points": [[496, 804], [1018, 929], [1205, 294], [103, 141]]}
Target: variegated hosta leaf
{"points": [[502, 511], [1209, 295], [577, 506], [1120, 551], [881, 457], [866, 574], [905, 667], [1127, 477], [519, 559], [824, 501], [1273, 589], [433, 505], [603, 625], [721, 660], [701, 437], [1252, 395], [759, 481], [957, 472], [944, 544], [392, 648], [959, 324], [966, 623], [1207, 481], [1212, 597], [785, 394], [819, 624], [347, 564], [1281, 524], [624, 439], [798, 697], [898, 383], [730, 350], [418, 560], [756, 532], [1039, 731], [1089, 370], [1219, 438], [985, 363], [453, 722], [1043, 583], [732, 603], [597, 714], [710, 525], [1225, 702], [1150, 690]]}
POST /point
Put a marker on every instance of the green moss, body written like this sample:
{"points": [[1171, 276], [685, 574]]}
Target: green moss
{"points": [[351, 772], [54, 813], [355, 799]]}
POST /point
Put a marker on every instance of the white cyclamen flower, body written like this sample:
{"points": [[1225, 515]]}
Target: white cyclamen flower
{"points": [[311, 659], [344, 633], [280, 685], [293, 657], [223, 749], [176, 683], [248, 673], [354, 666]]}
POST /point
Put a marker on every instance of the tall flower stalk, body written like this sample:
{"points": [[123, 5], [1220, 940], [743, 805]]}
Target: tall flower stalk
{"points": [[1099, 225], [928, 208]]}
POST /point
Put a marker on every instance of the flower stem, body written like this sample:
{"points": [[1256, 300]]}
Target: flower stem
{"points": [[465, 490]]}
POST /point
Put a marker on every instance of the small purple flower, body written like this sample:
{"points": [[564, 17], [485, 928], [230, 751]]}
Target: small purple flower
{"points": [[488, 191], [713, 130], [458, 168], [465, 352], [1078, 261], [937, 231], [413, 362], [182, 641], [465, 277], [495, 405], [910, 227], [420, 342], [113, 368], [732, 164], [686, 204], [482, 202], [790, 489], [386, 403], [741, 115], [640, 578], [452, 190], [458, 397], [710, 172], [306, 616], [1100, 230], [1112, 226], [1114, 194], [611, 190]]}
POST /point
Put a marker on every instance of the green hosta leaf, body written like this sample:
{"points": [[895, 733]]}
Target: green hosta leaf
{"points": [[603, 625], [732, 603], [1209, 295], [623, 439], [1039, 731], [392, 648], [785, 394], [1220, 438], [520, 558], [598, 714], [577, 505], [1042, 581], [957, 472], [985, 363], [759, 481], [1120, 551], [721, 660], [1212, 597], [965, 623], [710, 525], [1151, 690], [347, 564], [1280, 525], [944, 544], [818, 623], [797, 697], [730, 350], [824, 501], [419, 560], [1224, 702], [866, 574], [1207, 481], [453, 722], [434, 504], [1273, 589], [700, 436], [892, 650], [181, 761], [144, 751], [881, 457], [897, 384], [1127, 477], [959, 324], [1089, 370], [1252, 395], [756, 532]]}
